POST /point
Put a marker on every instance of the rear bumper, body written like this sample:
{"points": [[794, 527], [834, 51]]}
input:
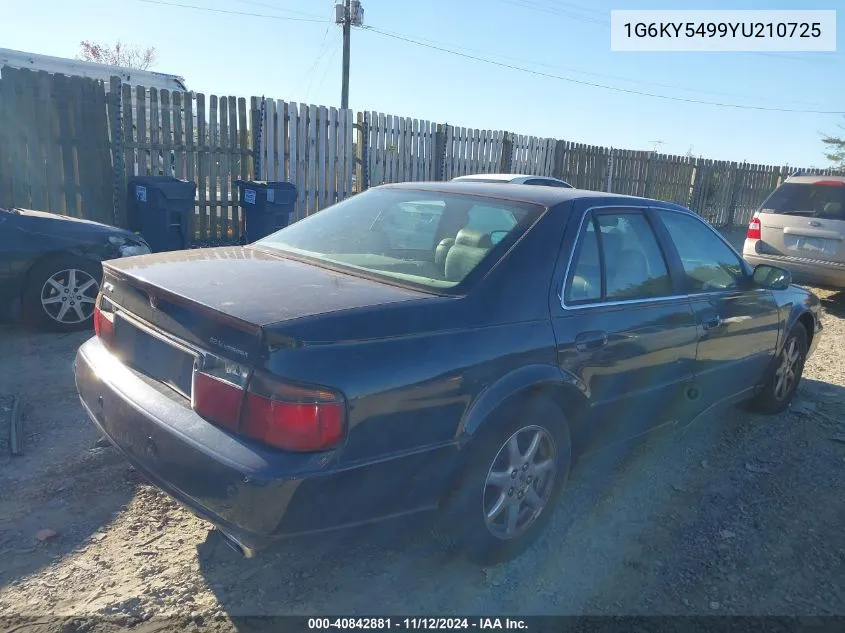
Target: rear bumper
{"points": [[253, 493], [804, 271]]}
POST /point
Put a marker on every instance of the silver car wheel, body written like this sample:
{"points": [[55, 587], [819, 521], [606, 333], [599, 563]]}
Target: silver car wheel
{"points": [[519, 482], [68, 296], [786, 373]]}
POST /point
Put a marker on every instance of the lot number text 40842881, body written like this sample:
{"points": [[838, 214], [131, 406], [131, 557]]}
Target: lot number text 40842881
{"points": [[417, 623]]}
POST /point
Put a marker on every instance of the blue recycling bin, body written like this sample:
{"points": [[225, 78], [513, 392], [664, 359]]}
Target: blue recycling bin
{"points": [[267, 207], [160, 208]]}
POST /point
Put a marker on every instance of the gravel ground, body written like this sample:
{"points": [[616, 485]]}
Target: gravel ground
{"points": [[739, 514]]}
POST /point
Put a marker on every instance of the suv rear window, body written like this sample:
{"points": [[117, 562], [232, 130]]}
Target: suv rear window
{"points": [[821, 201]]}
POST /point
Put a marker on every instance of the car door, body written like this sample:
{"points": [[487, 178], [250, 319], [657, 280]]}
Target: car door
{"points": [[738, 322], [623, 328]]}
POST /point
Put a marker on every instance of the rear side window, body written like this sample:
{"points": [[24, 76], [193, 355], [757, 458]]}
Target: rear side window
{"points": [[823, 201], [709, 264], [620, 261]]}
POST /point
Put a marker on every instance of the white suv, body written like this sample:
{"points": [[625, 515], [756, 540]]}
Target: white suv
{"points": [[801, 227]]}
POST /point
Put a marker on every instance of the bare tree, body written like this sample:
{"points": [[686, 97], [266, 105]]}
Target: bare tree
{"points": [[117, 54]]}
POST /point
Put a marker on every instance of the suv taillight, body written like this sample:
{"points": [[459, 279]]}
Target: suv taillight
{"points": [[754, 228], [292, 417], [104, 320]]}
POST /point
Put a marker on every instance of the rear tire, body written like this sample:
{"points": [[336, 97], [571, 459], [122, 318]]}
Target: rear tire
{"points": [[59, 293], [514, 474], [783, 380]]}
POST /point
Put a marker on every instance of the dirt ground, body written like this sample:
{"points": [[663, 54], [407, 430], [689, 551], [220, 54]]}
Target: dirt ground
{"points": [[739, 514]]}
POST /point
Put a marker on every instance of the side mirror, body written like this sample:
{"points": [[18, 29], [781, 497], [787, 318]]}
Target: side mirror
{"points": [[772, 277]]}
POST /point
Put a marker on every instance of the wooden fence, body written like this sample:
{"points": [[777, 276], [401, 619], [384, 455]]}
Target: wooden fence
{"points": [[397, 149], [69, 145], [470, 151], [205, 139], [54, 145], [310, 146]]}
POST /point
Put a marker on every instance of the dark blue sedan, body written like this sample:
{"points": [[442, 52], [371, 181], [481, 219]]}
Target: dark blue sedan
{"points": [[451, 346]]}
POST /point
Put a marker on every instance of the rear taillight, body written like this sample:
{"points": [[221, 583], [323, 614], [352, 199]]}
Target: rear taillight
{"points": [[293, 417], [754, 229], [104, 320], [830, 183], [217, 390]]}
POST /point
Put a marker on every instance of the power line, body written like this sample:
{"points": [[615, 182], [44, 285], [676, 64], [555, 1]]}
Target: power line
{"points": [[244, 13], [577, 70], [328, 66], [276, 8], [430, 45], [577, 7], [317, 59], [549, 9], [593, 84]]}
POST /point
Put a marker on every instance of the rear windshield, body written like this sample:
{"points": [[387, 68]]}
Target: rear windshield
{"points": [[811, 200], [427, 239]]}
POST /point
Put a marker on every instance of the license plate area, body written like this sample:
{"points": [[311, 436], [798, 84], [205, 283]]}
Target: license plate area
{"points": [[154, 356], [805, 244]]}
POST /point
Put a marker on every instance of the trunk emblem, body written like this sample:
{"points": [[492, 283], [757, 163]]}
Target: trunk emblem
{"points": [[814, 223], [153, 302]]}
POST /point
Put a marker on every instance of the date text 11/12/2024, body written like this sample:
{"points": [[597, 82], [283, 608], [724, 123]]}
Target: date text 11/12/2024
{"points": [[415, 624]]}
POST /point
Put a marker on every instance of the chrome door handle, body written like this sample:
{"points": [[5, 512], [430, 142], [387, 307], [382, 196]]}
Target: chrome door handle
{"points": [[590, 341], [712, 323]]}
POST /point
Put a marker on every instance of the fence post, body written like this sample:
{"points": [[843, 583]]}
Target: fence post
{"points": [[362, 151], [560, 160], [117, 142], [649, 176], [735, 185], [609, 186], [256, 116], [440, 151], [507, 153]]}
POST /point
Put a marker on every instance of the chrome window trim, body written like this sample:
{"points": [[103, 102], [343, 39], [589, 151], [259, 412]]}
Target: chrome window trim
{"points": [[623, 302]]}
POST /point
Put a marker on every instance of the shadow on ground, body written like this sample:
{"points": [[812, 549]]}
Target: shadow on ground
{"points": [[834, 304]]}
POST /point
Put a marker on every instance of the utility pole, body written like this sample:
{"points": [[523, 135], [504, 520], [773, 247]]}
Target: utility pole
{"points": [[347, 32]]}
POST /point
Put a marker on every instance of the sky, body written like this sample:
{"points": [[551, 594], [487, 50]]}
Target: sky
{"points": [[291, 50]]}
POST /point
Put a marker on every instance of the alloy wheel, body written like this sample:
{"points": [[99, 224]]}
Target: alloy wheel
{"points": [[786, 374], [519, 482], [68, 296]]}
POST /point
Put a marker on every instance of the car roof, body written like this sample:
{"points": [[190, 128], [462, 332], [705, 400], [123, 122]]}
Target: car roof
{"points": [[502, 177], [546, 196], [811, 180]]}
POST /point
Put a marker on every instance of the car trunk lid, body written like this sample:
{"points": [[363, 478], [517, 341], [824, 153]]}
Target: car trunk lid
{"points": [[170, 310]]}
